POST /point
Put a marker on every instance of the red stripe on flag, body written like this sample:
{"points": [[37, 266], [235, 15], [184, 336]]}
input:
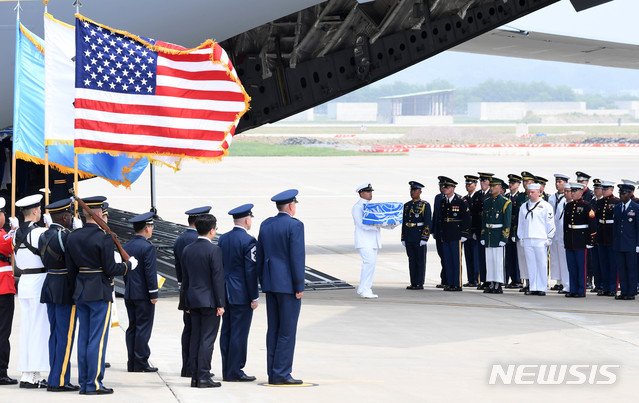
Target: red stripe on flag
{"points": [[81, 103], [217, 52], [144, 130], [168, 45], [196, 94], [194, 75], [188, 57], [137, 149]]}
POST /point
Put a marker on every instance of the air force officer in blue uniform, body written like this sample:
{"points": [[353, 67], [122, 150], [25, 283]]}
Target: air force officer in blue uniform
{"points": [[141, 294], [240, 275], [280, 266], [625, 241]]}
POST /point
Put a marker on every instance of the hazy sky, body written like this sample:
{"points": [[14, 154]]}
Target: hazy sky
{"points": [[615, 21]]}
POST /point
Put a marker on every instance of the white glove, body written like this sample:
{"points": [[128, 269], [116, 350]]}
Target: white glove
{"points": [[77, 223], [134, 262], [404, 243], [14, 223], [637, 249], [513, 239], [547, 242], [422, 243], [474, 237], [47, 219], [589, 246], [482, 242], [502, 243], [463, 239]]}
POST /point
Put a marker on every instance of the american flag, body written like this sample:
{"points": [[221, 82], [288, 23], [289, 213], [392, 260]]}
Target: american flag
{"points": [[146, 97]]}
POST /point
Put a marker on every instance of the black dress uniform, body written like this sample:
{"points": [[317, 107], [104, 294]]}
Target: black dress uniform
{"points": [[416, 226], [436, 234], [141, 287], [57, 293], [604, 214], [90, 258], [454, 221], [478, 207], [471, 253], [510, 261]]}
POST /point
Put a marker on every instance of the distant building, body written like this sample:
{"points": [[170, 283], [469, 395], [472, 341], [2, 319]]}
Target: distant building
{"points": [[518, 110], [420, 108], [352, 111], [632, 107]]}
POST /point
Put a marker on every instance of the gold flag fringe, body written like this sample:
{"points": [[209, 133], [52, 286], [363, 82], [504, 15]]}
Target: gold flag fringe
{"points": [[31, 38]]}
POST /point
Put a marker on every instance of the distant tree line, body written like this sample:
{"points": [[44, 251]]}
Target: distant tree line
{"points": [[490, 91]]}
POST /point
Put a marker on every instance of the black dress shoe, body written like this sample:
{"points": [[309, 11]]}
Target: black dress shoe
{"points": [[579, 296], [596, 290], [208, 383], [562, 292], [37, 385], [419, 287], [569, 295], [541, 293], [556, 287], [102, 391], [498, 290], [146, 369], [107, 365], [411, 287], [488, 291], [523, 289], [243, 378], [469, 284], [440, 286], [194, 383], [65, 388], [620, 296], [5, 380], [290, 381], [630, 298]]}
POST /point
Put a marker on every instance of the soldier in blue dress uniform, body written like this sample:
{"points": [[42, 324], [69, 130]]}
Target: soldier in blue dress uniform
{"points": [[604, 239], [280, 265], [455, 221], [240, 276], [186, 238], [57, 293], [471, 254], [476, 213], [415, 233], [141, 294], [626, 241], [510, 260], [90, 258], [436, 231]]}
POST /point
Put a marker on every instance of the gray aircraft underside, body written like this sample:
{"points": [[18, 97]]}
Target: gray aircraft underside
{"points": [[292, 55]]}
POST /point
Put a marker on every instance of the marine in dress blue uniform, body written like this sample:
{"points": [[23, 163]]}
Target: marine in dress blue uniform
{"points": [[455, 222], [90, 258], [141, 294], [240, 276], [476, 213], [626, 241], [510, 260], [416, 225], [203, 286], [57, 293], [471, 253], [603, 241], [186, 238], [280, 265]]}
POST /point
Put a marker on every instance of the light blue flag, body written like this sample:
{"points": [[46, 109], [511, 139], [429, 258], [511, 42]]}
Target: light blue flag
{"points": [[28, 122]]}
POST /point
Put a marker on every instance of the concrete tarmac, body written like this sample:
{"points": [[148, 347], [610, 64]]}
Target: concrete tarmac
{"points": [[408, 346]]}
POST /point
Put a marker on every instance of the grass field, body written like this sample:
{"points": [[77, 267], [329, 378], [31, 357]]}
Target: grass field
{"points": [[255, 149]]}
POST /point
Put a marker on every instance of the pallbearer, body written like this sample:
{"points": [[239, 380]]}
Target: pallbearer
{"points": [[496, 217], [415, 233], [626, 241]]}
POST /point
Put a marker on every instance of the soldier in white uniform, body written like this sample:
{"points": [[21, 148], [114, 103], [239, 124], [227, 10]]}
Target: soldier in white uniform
{"points": [[535, 229], [558, 263], [368, 240], [33, 357]]}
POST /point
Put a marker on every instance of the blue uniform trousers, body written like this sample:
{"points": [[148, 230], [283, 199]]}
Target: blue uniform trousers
{"points": [[416, 262], [452, 262], [282, 311], [576, 260], [440, 251], [94, 322], [236, 323], [204, 326], [471, 255], [138, 334], [186, 344], [62, 319], [594, 269], [511, 263], [607, 268], [627, 264]]}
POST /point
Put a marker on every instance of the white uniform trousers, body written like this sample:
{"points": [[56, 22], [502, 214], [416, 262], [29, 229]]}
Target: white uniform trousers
{"points": [[495, 264], [537, 264], [33, 350], [521, 260], [369, 259], [558, 264]]}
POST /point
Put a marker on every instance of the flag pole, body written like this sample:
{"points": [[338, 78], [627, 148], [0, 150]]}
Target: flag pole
{"points": [[46, 175], [75, 181], [13, 149], [152, 171]]}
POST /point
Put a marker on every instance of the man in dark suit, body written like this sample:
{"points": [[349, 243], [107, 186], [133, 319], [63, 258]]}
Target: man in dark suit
{"points": [[240, 276], [181, 242], [280, 266], [141, 294], [203, 286], [625, 235]]}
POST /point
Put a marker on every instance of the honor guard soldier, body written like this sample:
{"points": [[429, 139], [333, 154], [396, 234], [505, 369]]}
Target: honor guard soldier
{"points": [[535, 229], [280, 266], [203, 285], [57, 293], [33, 355], [632, 193], [90, 258], [496, 218], [579, 236], [415, 233], [594, 277], [436, 231], [141, 294], [455, 223], [557, 252], [478, 204], [626, 241], [7, 298], [186, 238], [604, 240], [511, 263], [584, 178], [368, 239], [471, 252], [542, 182], [526, 179], [240, 276]]}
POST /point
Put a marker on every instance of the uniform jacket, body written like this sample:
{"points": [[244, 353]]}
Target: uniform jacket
{"points": [[476, 208], [91, 249], [203, 275], [496, 218], [416, 221], [366, 236], [239, 250], [184, 239], [514, 202], [518, 201], [536, 221], [626, 228], [605, 218], [141, 283], [281, 254], [588, 194], [59, 282], [580, 225], [454, 219], [436, 210], [30, 285], [7, 279], [558, 203]]}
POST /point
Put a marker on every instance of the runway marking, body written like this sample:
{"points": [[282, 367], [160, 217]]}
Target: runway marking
{"points": [[466, 305]]}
